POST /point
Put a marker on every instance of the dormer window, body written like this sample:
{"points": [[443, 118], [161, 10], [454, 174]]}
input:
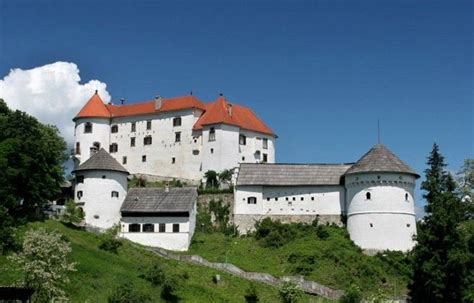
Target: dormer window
{"points": [[88, 128], [176, 121], [242, 139], [114, 129], [113, 148], [147, 140], [212, 134]]}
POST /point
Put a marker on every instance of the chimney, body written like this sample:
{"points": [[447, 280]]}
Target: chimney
{"points": [[158, 101], [122, 101], [229, 109]]}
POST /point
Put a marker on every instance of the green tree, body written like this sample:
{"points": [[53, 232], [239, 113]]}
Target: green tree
{"points": [[211, 179], [290, 292], [439, 258], [225, 176], [31, 155], [44, 265], [72, 214]]}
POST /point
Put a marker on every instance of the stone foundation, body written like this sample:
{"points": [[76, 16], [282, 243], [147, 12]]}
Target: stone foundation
{"points": [[246, 223], [155, 178]]}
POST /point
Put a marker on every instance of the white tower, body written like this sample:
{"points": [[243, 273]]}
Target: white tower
{"points": [[379, 201], [101, 187], [92, 130]]}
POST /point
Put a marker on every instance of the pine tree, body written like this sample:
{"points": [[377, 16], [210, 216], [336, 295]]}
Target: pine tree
{"points": [[439, 256]]}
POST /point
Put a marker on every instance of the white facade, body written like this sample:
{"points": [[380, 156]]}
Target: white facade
{"points": [[100, 196], [381, 210], [167, 239], [174, 151]]}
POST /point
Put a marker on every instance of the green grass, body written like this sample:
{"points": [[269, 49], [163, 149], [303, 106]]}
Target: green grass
{"points": [[337, 262], [100, 272]]}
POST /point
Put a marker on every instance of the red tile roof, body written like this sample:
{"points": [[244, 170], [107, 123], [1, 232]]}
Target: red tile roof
{"points": [[214, 113], [232, 114], [94, 108]]}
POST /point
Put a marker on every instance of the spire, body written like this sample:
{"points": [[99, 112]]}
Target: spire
{"points": [[94, 108]]}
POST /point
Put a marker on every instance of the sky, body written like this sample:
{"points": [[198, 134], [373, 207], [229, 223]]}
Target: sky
{"points": [[319, 73]]}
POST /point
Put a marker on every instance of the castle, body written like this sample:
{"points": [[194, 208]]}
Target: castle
{"points": [[184, 137]]}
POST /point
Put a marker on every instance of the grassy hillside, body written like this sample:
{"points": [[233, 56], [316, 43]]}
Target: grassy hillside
{"points": [[324, 254], [100, 272]]}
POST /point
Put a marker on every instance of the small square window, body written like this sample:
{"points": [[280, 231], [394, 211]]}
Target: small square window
{"points": [[147, 140], [162, 227], [177, 121], [173, 160], [113, 148], [88, 128], [242, 140], [268, 199], [143, 158], [252, 200], [243, 158], [371, 225], [148, 124], [294, 198], [114, 129], [124, 160], [115, 194], [132, 141], [134, 127], [212, 150], [286, 198], [176, 227], [312, 198], [276, 199], [265, 158], [177, 137]]}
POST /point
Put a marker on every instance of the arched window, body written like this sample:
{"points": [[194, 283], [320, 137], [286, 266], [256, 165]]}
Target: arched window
{"points": [[406, 197], [88, 128], [252, 200], [149, 228], [134, 228], [368, 196], [212, 134]]}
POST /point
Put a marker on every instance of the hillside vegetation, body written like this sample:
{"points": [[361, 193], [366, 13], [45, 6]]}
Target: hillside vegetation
{"points": [[100, 272], [324, 254]]}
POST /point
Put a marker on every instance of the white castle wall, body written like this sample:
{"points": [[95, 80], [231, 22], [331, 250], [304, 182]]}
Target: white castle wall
{"points": [[387, 220], [168, 240], [100, 208], [100, 133], [160, 154]]}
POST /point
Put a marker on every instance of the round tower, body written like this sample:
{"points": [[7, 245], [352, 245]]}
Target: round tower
{"points": [[92, 129], [379, 201], [100, 189]]}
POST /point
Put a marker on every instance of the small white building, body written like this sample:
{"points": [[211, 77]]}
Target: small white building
{"points": [[375, 194], [100, 188], [160, 217], [179, 137]]}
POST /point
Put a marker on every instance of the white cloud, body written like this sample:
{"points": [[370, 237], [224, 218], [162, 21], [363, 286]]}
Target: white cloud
{"points": [[52, 93]]}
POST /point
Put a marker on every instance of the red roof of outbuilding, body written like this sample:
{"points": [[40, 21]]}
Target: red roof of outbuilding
{"points": [[214, 113], [232, 114], [94, 108]]}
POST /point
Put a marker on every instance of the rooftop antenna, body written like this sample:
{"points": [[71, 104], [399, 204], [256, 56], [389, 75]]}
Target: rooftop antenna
{"points": [[378, 130]]}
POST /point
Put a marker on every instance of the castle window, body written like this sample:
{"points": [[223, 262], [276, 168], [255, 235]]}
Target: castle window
{"points": [[113, 148], [147, 140], [378, 177], [371, 225], [212, 134], [243, 158], [268, 199], [134, 228], [79, 194], [144, 158], [212, 150], [132, 141], [162, 227], [77, 151], [302, 198], [265, 158], [148, 124], [294, 198], [251, 200], [88, 128], [149, 228], [104, 176], [408, 225], [124, 160], [286, 198], [276, 198], [368, 196], [173, 160], [177, 121], [312, 198], [265, 143], [177, 137], [406, 197], [134, 127], [242, 139], [176, 228], [79, 179], [114, 129], [115, 194]]}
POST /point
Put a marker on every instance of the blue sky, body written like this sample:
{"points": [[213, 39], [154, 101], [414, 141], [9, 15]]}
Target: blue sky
{"points": [[319, 73]]}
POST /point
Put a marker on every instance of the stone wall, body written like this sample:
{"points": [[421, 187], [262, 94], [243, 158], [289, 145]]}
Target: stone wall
{"points": [[246, 223], [226, 198]]}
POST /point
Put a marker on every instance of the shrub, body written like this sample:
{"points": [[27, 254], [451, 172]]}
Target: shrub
{"points": [[125, 293], [72, 214], [301, 264], [171, 285], [251, 295], [322, 232], [155, 274], [274, 233], [290, 292], [352, 295], [109, 242]]}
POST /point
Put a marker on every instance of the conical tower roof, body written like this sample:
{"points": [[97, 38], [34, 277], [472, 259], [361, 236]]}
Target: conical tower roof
{"points": [[380, 159], [101, 160], [94, 108]]}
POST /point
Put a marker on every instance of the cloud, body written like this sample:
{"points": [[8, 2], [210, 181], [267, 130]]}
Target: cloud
{"points": [[52, 93]]}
